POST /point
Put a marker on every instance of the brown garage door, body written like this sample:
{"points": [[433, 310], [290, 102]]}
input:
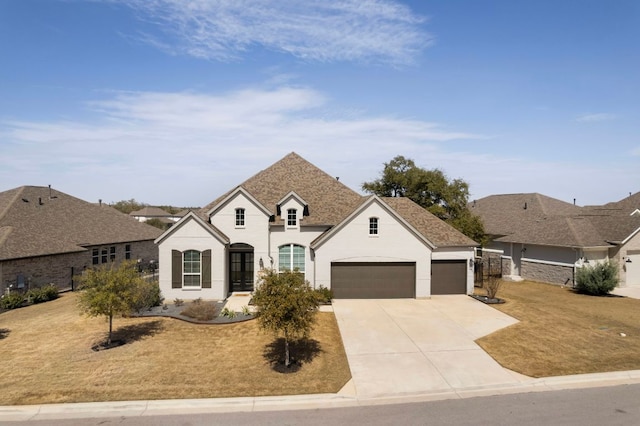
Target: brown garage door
{"points": [[365, 280], [448, 277]]}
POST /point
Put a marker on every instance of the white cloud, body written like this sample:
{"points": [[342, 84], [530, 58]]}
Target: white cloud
{"points": [[147, 141], [382, 31], [590, 118], [188, 148]]}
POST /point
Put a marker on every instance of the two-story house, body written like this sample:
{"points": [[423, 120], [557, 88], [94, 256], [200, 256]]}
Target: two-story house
{"points": [[293, 215]]}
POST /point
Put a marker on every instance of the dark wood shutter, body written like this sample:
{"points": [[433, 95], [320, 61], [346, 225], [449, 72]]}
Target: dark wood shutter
{"points": [[176, 269], [206, 269]]}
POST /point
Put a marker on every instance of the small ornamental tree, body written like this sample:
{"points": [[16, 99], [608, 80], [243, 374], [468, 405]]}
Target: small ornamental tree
{"points": [[286, 304], [597, 280], [111, 290]]}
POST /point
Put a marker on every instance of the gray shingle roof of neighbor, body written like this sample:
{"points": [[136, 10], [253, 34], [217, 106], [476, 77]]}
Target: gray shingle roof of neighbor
{"points": [[36, 221], [150, 211], [537, 219], [330, 201]]}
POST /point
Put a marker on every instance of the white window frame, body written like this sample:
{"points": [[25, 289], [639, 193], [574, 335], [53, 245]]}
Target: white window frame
{"points": [[289, 266], [240, 217], [292, 218], [374, 226], [191, 273]]}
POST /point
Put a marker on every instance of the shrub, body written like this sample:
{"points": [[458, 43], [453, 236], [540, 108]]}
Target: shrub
{"points": [[50, 292], [12, 301], [199, 310], [324, 294], [597, 280], [40, 295], [178, 302], [147, 295]]}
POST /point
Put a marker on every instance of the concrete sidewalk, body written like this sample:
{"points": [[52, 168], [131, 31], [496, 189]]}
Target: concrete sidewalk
{"points": [[299, 402]]}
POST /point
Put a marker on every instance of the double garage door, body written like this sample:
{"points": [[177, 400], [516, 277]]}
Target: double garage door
{"points": [[392, 280]]}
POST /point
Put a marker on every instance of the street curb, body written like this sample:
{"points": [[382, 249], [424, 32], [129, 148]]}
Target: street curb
{"points": [[301, 402]]}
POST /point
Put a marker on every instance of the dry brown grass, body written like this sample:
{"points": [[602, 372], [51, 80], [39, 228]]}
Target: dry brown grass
{"points": [[562, 332], [47, 358]]}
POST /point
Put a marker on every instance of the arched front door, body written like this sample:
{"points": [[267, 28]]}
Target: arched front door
{"points": [[240, 267]]}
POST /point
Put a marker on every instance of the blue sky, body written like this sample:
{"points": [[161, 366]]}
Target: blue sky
{"points": [[175, 102]]}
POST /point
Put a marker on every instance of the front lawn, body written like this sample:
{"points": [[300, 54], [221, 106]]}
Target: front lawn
{"points": [[47, 358], [562, 332]]}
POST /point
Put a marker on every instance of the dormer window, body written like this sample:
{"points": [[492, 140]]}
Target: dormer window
{"points": [[292, 217], [240, 218], [373, 226]]}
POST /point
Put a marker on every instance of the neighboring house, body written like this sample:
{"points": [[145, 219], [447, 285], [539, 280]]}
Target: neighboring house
{"points": [[293, 215], [149, 212], [47, 236], [545, 239]]}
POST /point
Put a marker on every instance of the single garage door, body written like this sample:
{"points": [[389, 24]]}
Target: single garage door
{"points": [[365, 280], [448, 277]]}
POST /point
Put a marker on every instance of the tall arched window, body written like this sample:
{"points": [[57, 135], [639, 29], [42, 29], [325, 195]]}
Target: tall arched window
{"points": [[290, 257]]}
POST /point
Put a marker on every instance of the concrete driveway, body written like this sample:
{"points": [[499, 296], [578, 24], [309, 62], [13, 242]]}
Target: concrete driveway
{"points": [[405, 346]]}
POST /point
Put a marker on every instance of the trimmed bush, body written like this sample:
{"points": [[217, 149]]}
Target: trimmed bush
{"points": [[12, 301], [41, 295], [199, 310], [147, 295], [597, 280], [50, 292], [324, 294]]}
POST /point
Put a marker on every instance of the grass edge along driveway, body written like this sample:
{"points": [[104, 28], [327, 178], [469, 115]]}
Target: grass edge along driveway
{"points": [[562, 332], [47, 358]]}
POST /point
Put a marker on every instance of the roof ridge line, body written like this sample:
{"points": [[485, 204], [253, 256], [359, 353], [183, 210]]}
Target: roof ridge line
{"points": [[19, 192]]}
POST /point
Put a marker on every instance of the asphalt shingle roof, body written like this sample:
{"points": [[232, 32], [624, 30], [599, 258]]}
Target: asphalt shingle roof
{"points": [[37, 221], [330, 201], [537, 219]]}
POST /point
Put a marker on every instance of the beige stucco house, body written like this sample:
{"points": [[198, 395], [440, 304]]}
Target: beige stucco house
{"points": [[544, 239], [293, 215]]}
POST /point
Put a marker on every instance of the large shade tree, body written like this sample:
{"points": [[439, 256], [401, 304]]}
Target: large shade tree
{"points": [[432, 189], [287, 305]]}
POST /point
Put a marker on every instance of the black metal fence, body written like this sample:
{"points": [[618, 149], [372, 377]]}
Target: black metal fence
{"points": [[485, 267]]}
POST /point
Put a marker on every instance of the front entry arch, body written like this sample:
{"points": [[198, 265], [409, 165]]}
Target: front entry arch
{"points": [[240, 267]]}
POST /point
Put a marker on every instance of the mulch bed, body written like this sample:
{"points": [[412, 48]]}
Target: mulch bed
{"points": [[487, 300], [170, 310]]}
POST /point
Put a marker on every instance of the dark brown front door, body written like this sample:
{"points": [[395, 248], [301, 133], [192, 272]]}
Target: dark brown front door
{"points": [[241, 267]]}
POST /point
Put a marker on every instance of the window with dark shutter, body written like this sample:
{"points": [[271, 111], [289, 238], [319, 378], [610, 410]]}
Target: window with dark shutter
{"points": [[176, 269], [206, 269]]}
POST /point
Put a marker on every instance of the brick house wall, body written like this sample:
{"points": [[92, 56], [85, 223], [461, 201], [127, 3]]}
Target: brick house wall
{"points": [[59, 269]]}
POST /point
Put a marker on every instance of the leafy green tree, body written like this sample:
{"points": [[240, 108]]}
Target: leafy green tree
{"points": [[157, 223], [286, 304], [110, 290], [597, 280], [431, 189], [128, 206]]}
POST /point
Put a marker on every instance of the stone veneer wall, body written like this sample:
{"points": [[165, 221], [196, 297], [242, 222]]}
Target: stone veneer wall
{"points": [[59, 269], [547, 273]]}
